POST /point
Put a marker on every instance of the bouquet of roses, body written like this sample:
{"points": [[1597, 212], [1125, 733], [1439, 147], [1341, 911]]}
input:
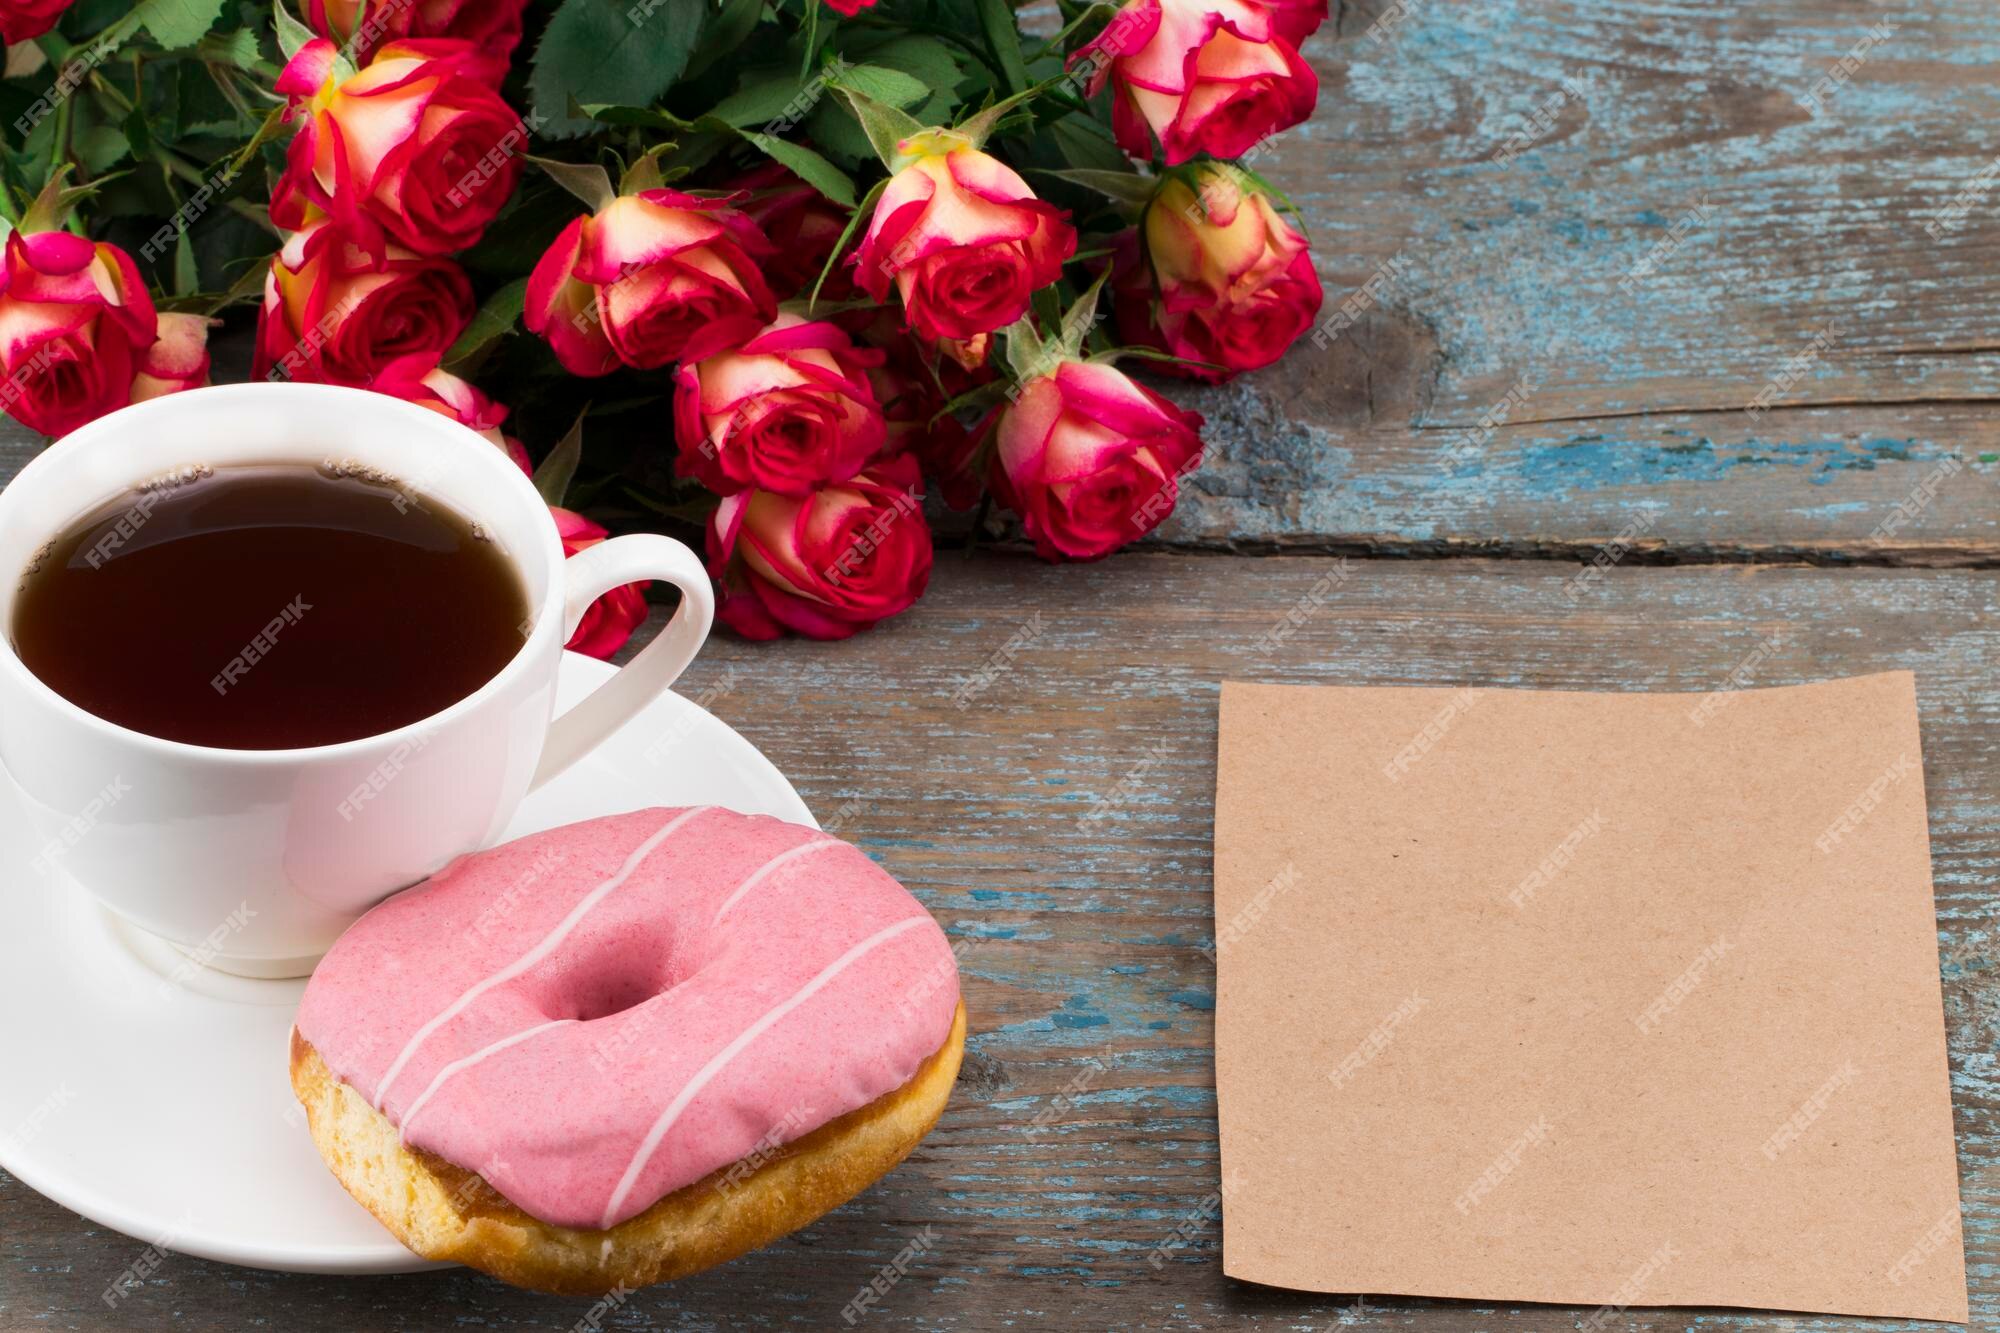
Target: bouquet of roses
{"points": [[782, 261]]}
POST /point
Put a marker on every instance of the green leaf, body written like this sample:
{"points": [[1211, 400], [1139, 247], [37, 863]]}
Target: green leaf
{"points": [[885, 126], [644, 173], [292, 34], [187, 276], [552, 478], [764, 95], [1127, 187], [1085, 142], [1047, 305], [1021, 348], [51, 208], [100, 148], [807, 165], [494, 320], [996, 19], [928, 59], [1116, 354], [833, 130], [139, 132], [624, 52], [736, 20], [1081, 318], [639, 117], [586, 180], [980, 128], [237, 49], [891, 87], [179, 23], [273, 126]]}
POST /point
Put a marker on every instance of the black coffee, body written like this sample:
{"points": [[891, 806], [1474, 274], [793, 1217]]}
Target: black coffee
{"points": [[267, 607]]}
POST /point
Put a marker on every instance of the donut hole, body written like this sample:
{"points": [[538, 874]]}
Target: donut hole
{"points": [[611, 973], [614, 997]]}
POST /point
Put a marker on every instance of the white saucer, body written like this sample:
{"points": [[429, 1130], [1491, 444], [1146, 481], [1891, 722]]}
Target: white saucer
{"points": [[157, 1104]]}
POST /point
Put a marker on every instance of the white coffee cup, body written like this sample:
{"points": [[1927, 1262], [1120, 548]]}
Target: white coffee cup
{"points": [[256, 860]]}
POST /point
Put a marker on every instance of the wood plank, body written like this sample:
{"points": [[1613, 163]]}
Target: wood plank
{"points": [[1644, 329], [1083, 1131], [1897, 486]]}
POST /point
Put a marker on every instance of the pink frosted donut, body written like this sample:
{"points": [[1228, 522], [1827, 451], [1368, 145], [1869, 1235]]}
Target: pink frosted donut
{"points": [[596, 1018]]}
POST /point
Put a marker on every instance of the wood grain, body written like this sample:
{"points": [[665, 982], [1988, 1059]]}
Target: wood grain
{"points": [[1059, 825], [1543, 267]]}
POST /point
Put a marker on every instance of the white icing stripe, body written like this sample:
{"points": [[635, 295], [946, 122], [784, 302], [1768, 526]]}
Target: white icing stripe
{"points": [[536, 954], [721, 1058], [467, 1062], [764, 871]]}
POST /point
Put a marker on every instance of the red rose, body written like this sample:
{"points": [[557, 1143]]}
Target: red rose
{"points": [[177, 360], [414, 147], [493, 27], [22, 19], [1091, 460], [611, 618], [780, 408], [334, 314], [825, 565], [635, 282], [803, 226], [964, 240], [75, 324], [1206, 76], [1218, 277], [444, 393]]}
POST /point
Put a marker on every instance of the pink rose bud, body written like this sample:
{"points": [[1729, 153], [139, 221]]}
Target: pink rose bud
{"points": [[632, 284], [611, 618], [781, 408], [825, 565], [1216, 275], [75, 324], [1091, 460], [177, 360], [431, 386], [335, 314], [492, 26], [415, 147], [963, 238], [1206, 76], [22, 19]]}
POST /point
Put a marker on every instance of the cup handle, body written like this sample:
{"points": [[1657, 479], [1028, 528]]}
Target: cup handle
{"points": [[588, 575]]}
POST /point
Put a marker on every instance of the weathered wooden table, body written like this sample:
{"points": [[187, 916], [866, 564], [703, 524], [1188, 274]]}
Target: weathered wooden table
{"points": [[1605, 227]]}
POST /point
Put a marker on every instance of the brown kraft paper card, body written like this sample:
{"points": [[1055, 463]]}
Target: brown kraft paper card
{"points": [[1597, 999]]}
